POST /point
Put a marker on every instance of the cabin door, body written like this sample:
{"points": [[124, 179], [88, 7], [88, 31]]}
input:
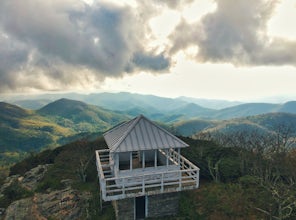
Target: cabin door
{"points": [[140, 203]]}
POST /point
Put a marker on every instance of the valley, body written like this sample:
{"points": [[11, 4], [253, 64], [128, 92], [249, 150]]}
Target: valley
{"points": [[24, 130], [232, 146]]}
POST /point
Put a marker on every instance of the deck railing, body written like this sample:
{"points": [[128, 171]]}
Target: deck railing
{"points": [[186, 176]]}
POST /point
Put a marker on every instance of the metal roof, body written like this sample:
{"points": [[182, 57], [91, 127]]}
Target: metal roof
{"points": [[140, 134]]}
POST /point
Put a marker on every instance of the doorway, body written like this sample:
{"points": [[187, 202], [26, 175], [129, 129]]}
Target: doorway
{"points": [[140, 203]]}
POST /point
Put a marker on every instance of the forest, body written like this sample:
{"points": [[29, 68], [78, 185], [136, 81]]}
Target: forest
{"points": [[243, 176]]}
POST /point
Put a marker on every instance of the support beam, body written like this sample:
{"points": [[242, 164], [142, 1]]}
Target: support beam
{"points": [[155, 158], [131, 160], [167, 157], [116, 163], [179, 153], [143, 159]]}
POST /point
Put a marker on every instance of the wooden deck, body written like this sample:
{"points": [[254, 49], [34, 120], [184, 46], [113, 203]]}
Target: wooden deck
{"points": [[182, 175]]}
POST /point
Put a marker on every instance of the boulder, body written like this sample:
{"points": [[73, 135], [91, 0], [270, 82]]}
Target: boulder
{"points": [[63, 204]]}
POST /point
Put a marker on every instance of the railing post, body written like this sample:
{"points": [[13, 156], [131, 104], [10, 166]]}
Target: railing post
{"points": [[197, 178], [167, 157], [180, 180], [155, 158], [123, 186], [143, 185], [103, 189], [179, 156]]}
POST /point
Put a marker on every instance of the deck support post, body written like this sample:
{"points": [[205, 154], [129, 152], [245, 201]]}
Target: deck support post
{"points": [[155, 158], [179, 157], [143, 159], [131, 160], [167, 157], [116, 163]]}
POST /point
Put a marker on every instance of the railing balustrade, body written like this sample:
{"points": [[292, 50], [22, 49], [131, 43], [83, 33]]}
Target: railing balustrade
{"points": [[155, 182]]}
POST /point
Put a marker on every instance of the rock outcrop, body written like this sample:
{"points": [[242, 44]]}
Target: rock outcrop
{"points": [[63, 204], [30, 179]]}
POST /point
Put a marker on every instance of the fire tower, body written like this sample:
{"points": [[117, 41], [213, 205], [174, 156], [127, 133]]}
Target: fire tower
{"points": [[142, 170]]}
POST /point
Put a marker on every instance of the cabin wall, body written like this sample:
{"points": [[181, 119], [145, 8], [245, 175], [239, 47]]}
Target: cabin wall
{"points": [[124, 209], [156, 206], [163, 205]]}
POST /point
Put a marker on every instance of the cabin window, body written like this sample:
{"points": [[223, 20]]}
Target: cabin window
{"points": [[136, 162], [149, 158], [124, 161]]}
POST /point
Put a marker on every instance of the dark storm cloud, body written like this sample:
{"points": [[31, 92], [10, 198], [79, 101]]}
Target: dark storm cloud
{"points": [[104, 38], [236, 32], [12, 56], [150, 61]]}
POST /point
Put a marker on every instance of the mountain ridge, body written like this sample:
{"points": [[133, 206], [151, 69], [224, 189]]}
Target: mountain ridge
{"points": [[66, 119], [158, 108]]}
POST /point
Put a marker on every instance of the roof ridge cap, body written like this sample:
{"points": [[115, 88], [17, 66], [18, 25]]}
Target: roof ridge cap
{"points": [[167, 132], [136, 120]]}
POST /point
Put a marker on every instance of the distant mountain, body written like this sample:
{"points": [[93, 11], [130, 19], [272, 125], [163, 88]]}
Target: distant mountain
{"points": [[125, 101], [80, 116], [25, 130], [33, 104], [56, 123], [192, 110], [191, 127], [244, 110], [275, 121], [9, 111], [163, 109], [211, 103], [265, 124], [289, 107], [66, 120]]}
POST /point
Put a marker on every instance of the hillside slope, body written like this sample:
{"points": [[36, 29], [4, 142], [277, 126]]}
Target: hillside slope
{"points": [[244, 110], [162, 108], [54, 124], [265, 125], [25, 130], [80, 116]]}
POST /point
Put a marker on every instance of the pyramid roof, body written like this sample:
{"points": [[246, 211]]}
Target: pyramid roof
{"points": [[140, 134]]}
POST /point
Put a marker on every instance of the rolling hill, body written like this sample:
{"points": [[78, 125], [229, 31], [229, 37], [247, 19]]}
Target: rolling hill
{"points": [[244, 110], [289, 107], [163, 109], [25, 130], [191, 127], [32, 104], [66, 120], [80, 116], [260, 125], [54, 124]]}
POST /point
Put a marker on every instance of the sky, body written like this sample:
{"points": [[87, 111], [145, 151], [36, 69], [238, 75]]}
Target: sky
{"points": [[215, 49]]}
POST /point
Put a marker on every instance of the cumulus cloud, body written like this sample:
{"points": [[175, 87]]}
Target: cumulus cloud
{"points": [[173, 4], [57, 44], [46, 39], [235, 32]]}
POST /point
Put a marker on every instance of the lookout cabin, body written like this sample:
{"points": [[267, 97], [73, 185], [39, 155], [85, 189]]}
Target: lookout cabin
{"points": [[143, 170]]}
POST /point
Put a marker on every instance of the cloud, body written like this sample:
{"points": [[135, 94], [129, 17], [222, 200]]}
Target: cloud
{"points": [[45, 39], [150, 61], [235, 32], [173, 4]]}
